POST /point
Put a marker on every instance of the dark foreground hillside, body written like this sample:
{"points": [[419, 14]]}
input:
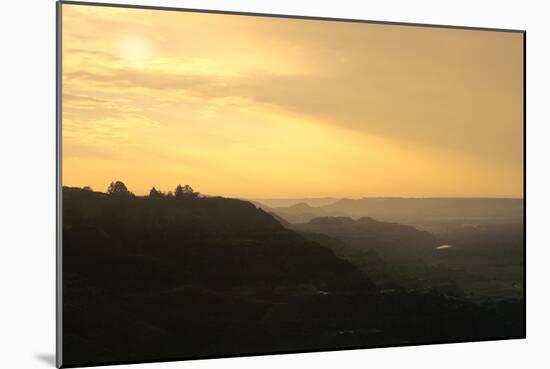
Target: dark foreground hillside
{"points": [[169, 278]]}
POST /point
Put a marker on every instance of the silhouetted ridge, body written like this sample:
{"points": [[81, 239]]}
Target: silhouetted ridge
{"points": [[331, 221], [199, 239], [301, 205], [389, 239], [297, 213], [366, 220]]}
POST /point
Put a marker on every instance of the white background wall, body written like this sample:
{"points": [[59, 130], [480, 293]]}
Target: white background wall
{"points": [[27, 184]]}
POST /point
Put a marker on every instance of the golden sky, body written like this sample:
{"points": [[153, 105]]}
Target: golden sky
{"points": [[268, 107]]}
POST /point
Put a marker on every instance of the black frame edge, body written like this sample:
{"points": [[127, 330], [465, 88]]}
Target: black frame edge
{"points": [[525, 184], [58, 187], [287, 16]]}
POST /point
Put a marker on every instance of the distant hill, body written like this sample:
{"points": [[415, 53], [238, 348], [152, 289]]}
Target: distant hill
{"points": [[312, 201], [402, 210], [298, 213], [419, 209], [388, 239]]}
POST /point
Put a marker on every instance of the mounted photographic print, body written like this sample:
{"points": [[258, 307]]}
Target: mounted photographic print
{"points": [[245, 184]]}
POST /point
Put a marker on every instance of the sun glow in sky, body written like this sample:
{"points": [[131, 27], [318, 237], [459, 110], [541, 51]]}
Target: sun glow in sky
{"points": [[270, 107]]}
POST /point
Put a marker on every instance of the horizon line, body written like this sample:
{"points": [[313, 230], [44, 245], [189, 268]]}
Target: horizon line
{"points": [[333, 197]]}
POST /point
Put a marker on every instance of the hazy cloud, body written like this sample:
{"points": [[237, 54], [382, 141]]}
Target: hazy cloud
{"points": [[214, 79]]}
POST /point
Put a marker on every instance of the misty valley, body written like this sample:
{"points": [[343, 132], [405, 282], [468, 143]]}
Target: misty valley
{"points": [[183, 275], [473, 247]]}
